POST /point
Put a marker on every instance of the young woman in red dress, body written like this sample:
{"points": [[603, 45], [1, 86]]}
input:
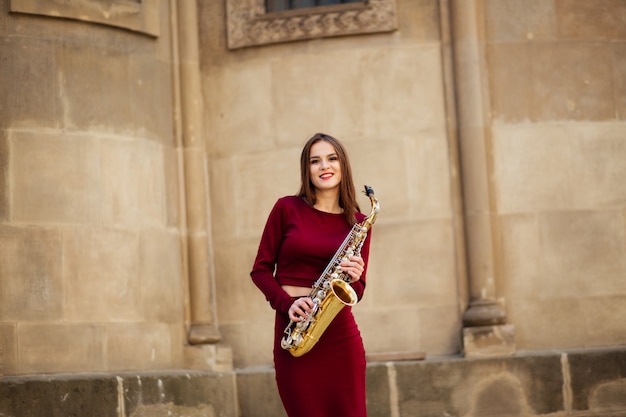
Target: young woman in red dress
{"points": [[300, 238]]}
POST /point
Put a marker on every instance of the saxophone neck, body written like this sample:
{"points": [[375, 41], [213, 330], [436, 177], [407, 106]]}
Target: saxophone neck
{"points": [[371, 218]]}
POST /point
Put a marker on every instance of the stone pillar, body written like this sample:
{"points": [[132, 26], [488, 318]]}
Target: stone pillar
{"points": [[203, 327], [484, 328]]}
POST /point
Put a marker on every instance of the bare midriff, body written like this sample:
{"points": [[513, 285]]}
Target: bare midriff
{"points": [[295, 291]]}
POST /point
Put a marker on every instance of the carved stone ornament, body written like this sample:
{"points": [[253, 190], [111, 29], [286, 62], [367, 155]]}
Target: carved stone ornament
{"points": [[136, 15], [249, 24]]}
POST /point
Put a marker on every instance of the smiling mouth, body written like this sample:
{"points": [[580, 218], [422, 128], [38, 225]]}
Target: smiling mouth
{"points": [[326, 176]]}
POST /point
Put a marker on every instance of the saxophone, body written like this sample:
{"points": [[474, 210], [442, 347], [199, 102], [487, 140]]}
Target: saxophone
{"points": [[332, 291]]}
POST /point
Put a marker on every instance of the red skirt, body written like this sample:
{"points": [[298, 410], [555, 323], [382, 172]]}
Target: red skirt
{"points": [[327, 381]]}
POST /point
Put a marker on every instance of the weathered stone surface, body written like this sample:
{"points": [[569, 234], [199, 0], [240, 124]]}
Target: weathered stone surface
{"points": [[31, 267], [56, 178], [485, 341], [258, 395], [517, 20], [111, 259], [598, 20], [174, 393], [5, 192], [597, 380], [48, 347], [571, 81], [538, 384], [32, 95]]}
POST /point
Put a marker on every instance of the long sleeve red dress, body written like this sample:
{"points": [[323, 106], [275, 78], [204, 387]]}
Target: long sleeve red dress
{"points": [[297, 244]]}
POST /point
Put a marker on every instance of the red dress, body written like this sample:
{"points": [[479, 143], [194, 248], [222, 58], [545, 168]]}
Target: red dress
{"points": [[297, 243]]}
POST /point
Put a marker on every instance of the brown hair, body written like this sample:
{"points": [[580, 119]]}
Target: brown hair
{"points": [[347, 195]]}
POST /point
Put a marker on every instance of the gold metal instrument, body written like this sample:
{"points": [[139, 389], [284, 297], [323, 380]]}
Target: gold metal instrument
{"points": [[332, 290]]}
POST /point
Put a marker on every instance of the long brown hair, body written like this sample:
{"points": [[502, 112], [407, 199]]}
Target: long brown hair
{"points": [[347, 195]]}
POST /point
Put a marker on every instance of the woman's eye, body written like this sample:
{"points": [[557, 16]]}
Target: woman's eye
{"points": [[314, 161], [333, 158]]}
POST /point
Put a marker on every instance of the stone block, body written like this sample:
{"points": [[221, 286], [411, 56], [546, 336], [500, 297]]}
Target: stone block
{"points": [[54, 347], [31, 271], [579, 245], [335, 111], [5, 192], [150, 98], [572, 81], [254, 340], [597, 153], [101, 271], [520, 251], [598, 20], [419, 22], [133, 183], [418, 266], [397, 329], [8, 350], [603, 320], [160, 276], [381, 390], [519, 20], [386, 165], [169, 393], [486, 341], [536, 321], [258, 395], [245, 300], [282, 166], [32, 97], [241, 120], [510, 78], [408, 104], [89, 75], [597, 380], [138, 346], [518, 386], [409, 175], [531, 172], [619, 54], [56, 178]]}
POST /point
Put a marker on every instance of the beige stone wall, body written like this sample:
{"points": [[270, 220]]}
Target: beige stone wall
{"points": [[553, 227], [96, 242], [90, 254], [558, 95], [383, 96]]}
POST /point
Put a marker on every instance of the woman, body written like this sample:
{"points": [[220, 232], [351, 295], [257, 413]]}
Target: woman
{"points": [[301, 236]]}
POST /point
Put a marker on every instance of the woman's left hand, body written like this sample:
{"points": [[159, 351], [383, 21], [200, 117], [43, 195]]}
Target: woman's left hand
{"points": [[354, 267]]}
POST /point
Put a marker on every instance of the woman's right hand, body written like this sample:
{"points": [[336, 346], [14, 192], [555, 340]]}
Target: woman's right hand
{"points": [[300, 309]]}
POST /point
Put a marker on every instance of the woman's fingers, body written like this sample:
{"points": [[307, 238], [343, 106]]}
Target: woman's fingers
{"points": [[354, 267], [300, 308]]}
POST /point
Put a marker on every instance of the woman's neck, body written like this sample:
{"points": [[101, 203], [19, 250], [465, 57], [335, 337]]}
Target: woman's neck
{"points": [[327, 201]]}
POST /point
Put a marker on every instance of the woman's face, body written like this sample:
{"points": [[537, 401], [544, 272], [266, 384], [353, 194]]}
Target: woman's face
{"points": [[324, 165]]}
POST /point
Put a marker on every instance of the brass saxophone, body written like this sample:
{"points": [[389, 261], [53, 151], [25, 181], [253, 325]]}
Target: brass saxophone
{"points": [[332, 291]]}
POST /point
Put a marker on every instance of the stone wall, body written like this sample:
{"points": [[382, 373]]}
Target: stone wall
{"points": [[555, 384], [526, 113], [558, 92], [383, 96], [91, 277]]}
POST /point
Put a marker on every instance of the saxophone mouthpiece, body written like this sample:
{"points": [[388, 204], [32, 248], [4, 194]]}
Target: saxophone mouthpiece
{"points": [[369, 191]]}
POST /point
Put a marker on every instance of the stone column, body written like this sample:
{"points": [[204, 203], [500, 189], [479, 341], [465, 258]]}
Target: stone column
{"points": [[485, 331], [203, 327]]}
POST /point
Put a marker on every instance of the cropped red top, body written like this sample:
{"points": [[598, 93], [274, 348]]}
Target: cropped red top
{"points": [[297, 244]]}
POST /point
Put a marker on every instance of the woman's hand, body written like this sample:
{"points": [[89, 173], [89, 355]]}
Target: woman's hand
{"points": [[300, 309], [354, 267]]}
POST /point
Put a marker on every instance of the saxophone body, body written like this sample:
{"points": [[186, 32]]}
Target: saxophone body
{"points": [[332, 291]]}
